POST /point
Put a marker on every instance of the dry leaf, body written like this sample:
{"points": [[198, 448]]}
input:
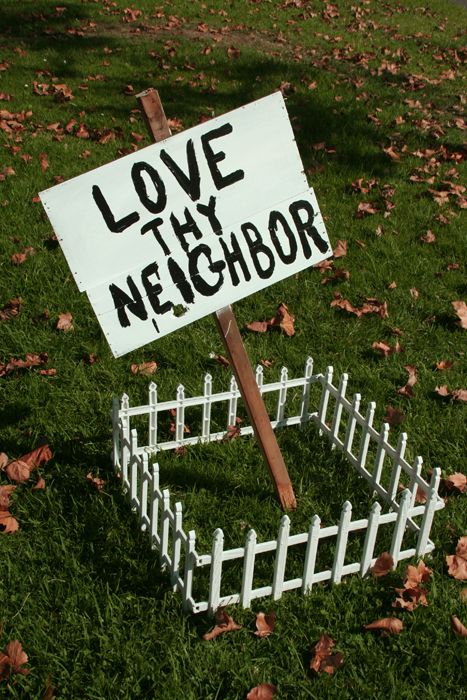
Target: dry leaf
{"points": [[284, 320], [11, 309], [40, 484], [220, 359], [444, 364], [410, 598], [428, 237], [265, 623], [264, 691], [407, 390], [323, 660], [457, 627], [258, 326], [37, 457], [457, 562], [455, 482], [18, 471], [224, 623], [12, 660], [417, 574], [382, 565], [393, 416], [340, 250], [387, 625], [5, 493], [8, 523], [64, 322], [145, 368], [460, 307], [3, 460], [96, 481], [385, 348]]}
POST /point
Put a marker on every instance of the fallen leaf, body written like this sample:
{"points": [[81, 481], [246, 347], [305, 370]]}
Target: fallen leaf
{"points": [[457, 562], [442, 390], [258, 326], [233, 431], [220, 359], [457, 627], [444, 364], [454, 482], [11, 309], [456, 394], [393, 416], [37, 457], [370, 305], [414, 293], [338, 275], [407, 390], [340, 250], [387, 625], [428, 237], [96, 481], [264, 691], [5, 493], [18, 471], [224, 623], [365, 208], [266, 363], [40, 484], [64, 322], [145, 368], [385, 348], [44, 160], [3, 460], [460, 307], [410, 598], [323, 659], [32, 360], [12, 660], [265, 623], [383, 565], [8, 524], [284, 320]]}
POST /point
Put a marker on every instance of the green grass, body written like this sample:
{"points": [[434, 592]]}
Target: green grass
{"points": [[79, 586]]}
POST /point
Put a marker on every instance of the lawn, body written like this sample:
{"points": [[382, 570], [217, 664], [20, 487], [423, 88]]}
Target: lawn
{"points": [[375, 96]]}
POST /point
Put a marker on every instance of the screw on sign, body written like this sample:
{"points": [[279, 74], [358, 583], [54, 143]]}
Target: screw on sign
{"points": [[195, 222]]}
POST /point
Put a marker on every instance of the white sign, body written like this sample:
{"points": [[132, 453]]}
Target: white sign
{"points": [[181, 228]]}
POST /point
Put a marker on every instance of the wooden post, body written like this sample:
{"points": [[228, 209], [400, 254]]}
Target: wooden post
{"points": [[159, 129]]}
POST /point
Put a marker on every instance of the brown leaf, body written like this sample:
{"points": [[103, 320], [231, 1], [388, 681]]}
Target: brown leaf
{"points": [[457, 562], [96, 481], [3, 460], [410, 598], [264, 691], [338, 275], [11, 309], [5, 493], [37, 457], [457, 627], [40, 484], [414, 293], [442, 390], [428, 237], [220, 359], [444, 364], [323, 659], [393, 416], [340, 250], [8, 524], [18, 471], [454, 482], [383, 565], [64, 322], [459, 394], [224, 623], [258, 326], [385, 348], [387, 625], [145, 368], [12, 660], [265, 623], [365, 208], [44, 160], [233, 431], [32, 360], [266, 363], [284, 320], [407, 390], [460, 307]]}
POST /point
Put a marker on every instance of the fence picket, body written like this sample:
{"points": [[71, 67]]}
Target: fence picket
{"points": [[180, 416], [413, 484], [190, 564], [337, 415], [176, 545], [326, 382], [427, 519], [370, 538], [341, 545], [310, 554], [216, 570], [399, 526], [152, 400], [350, 432], [397, 466], [116, 435], [143, 494], [305, 400], [259, 375], [380, 455], [281, 557], [365, 442], [248, 569], [125, 423], [165, 525], [233, 400], [207, 407], [154, 513], [282, 395], [134, 469]]}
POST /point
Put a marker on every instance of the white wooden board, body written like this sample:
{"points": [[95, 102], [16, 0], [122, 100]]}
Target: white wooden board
{"points": [[190, 224]]}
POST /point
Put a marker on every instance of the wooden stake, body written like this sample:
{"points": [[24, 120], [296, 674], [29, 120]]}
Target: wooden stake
{"points": [[227, 325]]}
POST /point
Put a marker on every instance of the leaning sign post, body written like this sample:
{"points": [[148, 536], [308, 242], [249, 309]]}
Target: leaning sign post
{"points": [[187, 226]]}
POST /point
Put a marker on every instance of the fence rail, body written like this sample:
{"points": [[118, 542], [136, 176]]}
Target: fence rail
{"points": [[347, 430]]}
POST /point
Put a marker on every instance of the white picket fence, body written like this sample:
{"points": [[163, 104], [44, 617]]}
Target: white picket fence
{"points": [[375, 459]]}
